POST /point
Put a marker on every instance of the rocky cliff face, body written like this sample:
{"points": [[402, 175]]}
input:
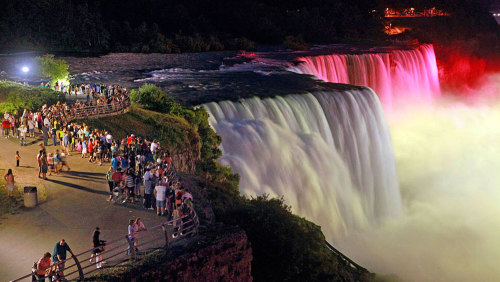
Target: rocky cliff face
{"points": [[225, 255]]}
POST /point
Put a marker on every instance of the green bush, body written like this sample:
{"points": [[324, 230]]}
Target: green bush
{"points": [[17, 97], [52, 68]]}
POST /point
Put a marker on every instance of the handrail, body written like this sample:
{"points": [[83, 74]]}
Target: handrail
{"points": [[349, 262], [191, 223], [95, 111]]}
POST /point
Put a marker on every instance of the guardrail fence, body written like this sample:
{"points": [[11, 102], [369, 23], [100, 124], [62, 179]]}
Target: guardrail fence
{"points": [[79, 266], [96, 111]]}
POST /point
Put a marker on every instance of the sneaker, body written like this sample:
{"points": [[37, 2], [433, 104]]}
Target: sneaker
{"points": [[158, 214]]}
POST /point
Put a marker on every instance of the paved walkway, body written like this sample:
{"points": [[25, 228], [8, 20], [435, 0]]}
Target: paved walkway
{"points": [[75, 203]]}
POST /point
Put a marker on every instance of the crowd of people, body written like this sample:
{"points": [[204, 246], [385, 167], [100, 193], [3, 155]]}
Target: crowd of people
{"points": [[134, 162]]}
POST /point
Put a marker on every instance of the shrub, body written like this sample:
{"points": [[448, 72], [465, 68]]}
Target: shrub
{"points": [[17, 97], [52, 68]]}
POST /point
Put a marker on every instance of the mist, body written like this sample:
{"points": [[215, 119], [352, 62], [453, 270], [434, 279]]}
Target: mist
{"points": [[448, 165]]}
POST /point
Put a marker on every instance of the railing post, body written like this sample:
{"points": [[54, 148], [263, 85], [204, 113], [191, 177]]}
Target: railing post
{"points": [[165, 231], [131, 247], [80, 270]]}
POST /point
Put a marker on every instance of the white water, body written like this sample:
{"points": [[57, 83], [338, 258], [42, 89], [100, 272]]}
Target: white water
{"points": [[328, 154], [448, 162]]}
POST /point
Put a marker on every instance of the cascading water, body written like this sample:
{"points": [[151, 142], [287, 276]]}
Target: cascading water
{"points": [[397, 76], [328, 154]]}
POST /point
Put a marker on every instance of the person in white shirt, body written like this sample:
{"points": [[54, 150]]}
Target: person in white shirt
{"points": [[154, 146], [46, 122], [22, 131], [160, 194]]}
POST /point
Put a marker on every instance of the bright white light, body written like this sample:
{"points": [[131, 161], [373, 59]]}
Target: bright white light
{"points": [[25, 69]]}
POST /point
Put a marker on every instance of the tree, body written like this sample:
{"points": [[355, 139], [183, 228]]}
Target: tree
{"points": [[53, 69]]}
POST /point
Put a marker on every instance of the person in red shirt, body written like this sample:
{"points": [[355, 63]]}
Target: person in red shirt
{"points": [[42, 267], [6, 127]]}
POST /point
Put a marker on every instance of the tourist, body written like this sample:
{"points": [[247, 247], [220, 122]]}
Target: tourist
{"points": [[45, 135], [42, 268], [22, 133], [43, 165], [84, 148], [50, 163], [159, 192], [148, 188], [139, 227], [18, 158], [130, 186], [9, 178], [57, 161], [64, 161], [131, 234], [6, 127], [115, 163], [31, 128], [98, 245], [53, 133], [109, 178], [59, 255]]}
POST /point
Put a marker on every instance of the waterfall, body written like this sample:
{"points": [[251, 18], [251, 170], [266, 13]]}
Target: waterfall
{"points": [[396, 76], [328, 154]]}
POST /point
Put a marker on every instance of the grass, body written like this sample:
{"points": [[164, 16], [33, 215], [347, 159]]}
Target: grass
{"points": [[8, 206], [173, 132]]}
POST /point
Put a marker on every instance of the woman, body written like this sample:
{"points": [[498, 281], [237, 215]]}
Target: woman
{"points": [[44, 165], [84, 148], [9, 177], [42, 267], [140, 227]]}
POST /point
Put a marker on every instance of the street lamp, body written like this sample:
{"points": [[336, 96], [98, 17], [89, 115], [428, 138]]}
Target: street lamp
{"points": [[25, 69]]}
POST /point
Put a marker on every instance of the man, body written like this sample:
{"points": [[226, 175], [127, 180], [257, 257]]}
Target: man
{"points": [[22, 132], [160, 193], [45, 132], [148, 189], [115, 162], [98, 248], [117, 178], [59, 255], [54, 136], [6, 127]]}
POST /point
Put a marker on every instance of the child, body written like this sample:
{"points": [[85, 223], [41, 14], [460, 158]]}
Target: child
{"points": [[18, 158], [9, 177]]}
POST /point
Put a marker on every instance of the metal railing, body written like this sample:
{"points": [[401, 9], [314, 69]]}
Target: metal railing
{"points": [[95, 111], [349, 262], [125, 248]]}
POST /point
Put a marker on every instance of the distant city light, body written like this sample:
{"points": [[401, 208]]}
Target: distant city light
{"points": [[25, 69]]}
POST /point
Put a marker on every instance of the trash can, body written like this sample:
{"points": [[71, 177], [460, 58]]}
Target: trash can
{"points": [[30, 196]]}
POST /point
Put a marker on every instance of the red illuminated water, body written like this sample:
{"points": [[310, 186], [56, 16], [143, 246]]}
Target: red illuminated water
{"points": [[396, 76]]}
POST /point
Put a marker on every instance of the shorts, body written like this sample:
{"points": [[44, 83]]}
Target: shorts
{"points": [[10, 187], [131, 191], [31, 130], [160, 204], [84, 150]]}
